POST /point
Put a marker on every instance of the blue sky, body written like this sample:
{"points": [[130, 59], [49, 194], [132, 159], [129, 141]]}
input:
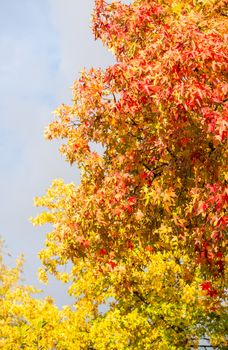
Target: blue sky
{"points": [[44, 44]]}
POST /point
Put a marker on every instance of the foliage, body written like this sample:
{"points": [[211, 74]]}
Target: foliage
{"points": [[27, 322], [145, 229]]}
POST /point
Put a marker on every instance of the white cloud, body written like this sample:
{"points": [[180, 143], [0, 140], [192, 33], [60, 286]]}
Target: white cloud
{"points": [[78, 49]]}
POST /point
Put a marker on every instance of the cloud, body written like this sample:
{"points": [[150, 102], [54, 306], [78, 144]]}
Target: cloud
{"points": [[78, 48]]}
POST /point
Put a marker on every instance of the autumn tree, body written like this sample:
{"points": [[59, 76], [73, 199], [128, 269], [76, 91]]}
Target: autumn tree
{"points": [[145, 229], [29, 322]]}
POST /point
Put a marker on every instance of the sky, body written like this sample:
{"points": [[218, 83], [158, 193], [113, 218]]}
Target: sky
{"points": [[43, 46]]}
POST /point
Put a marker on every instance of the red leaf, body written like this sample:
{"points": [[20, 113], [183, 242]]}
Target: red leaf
{"points": [[206, 285], [103, 251], [132, 200], [112, 264], [85, 243]]}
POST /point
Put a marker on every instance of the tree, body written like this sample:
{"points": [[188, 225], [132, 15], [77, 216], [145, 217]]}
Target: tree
{"points": [[27, 322], [145, 229]]}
